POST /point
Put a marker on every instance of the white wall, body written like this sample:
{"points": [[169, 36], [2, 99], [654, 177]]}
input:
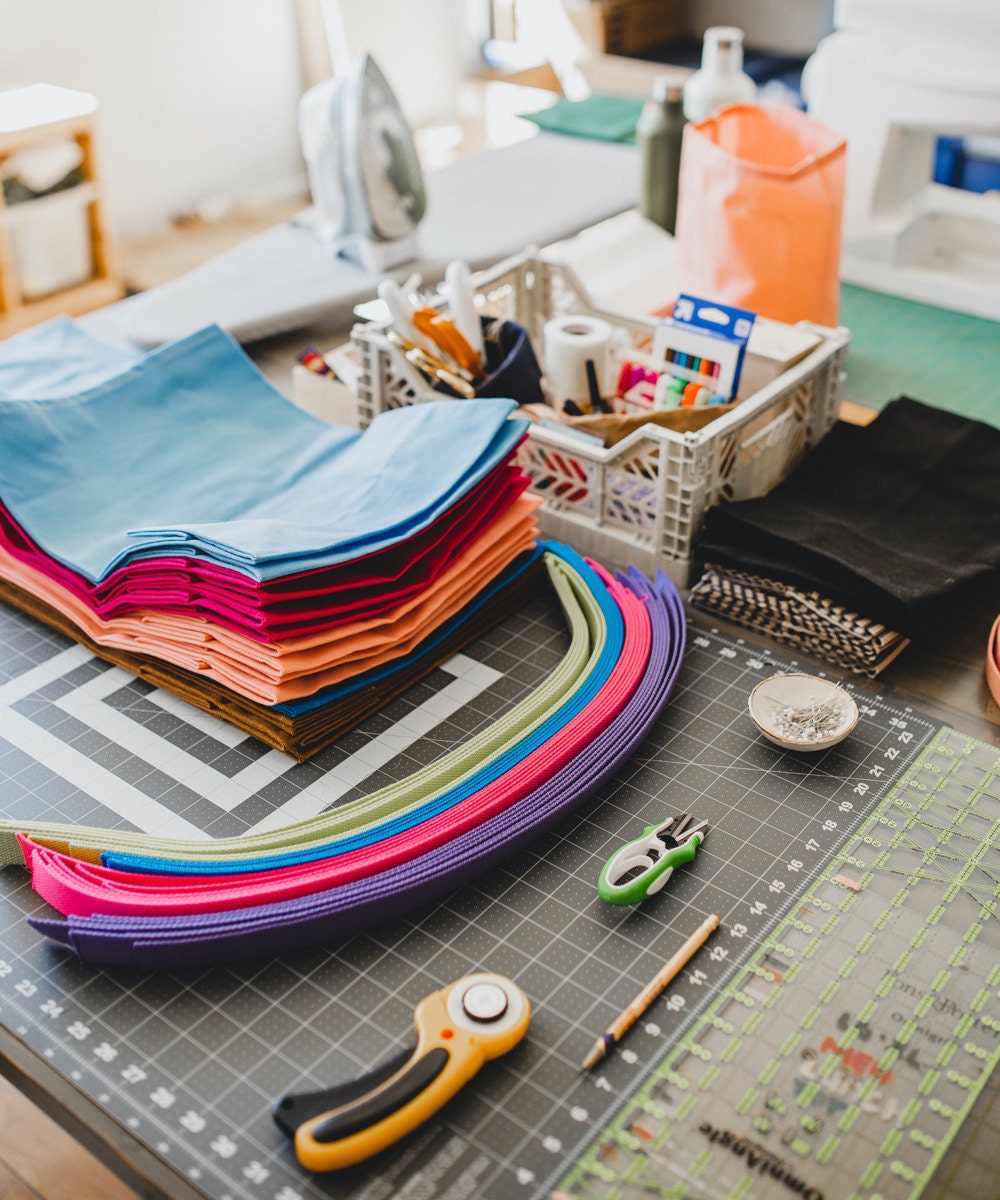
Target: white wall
{"points": [[198, 97], [422, 46], [781, 26]]}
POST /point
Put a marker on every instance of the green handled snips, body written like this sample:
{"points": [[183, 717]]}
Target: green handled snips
{"points": [[641, 867]]}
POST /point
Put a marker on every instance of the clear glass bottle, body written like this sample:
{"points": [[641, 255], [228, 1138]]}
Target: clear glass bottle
{"points": [[658, 135], [721, 80]]}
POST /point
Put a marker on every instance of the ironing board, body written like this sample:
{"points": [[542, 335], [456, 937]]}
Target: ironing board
{"points": [[481, 209]]}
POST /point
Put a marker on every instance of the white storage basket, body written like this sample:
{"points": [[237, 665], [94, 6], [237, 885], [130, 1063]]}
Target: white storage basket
{"points": [[641, 501]]}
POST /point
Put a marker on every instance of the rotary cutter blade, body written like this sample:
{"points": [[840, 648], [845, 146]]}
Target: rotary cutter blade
{"points": [[458, 1027]]}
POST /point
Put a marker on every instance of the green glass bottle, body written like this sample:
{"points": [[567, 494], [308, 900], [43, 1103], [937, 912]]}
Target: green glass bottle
{"points": [[658, 136]]}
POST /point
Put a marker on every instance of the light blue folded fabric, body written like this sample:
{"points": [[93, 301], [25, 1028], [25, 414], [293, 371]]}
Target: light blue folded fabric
{"points": [[191, 451], [57, 359]]}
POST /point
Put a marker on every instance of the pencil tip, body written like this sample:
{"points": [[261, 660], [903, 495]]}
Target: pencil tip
{"points": [[595, 1055]]}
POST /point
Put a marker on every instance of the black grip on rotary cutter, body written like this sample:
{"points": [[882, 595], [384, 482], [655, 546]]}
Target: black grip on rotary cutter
{"points": [[370, 1112], [297, 1108]]}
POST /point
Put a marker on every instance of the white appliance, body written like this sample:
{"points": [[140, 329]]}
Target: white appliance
{"points": [[895, 76], [364, 174]]}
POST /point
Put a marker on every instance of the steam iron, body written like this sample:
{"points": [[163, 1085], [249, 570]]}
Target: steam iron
{"points": [[364, 173]]}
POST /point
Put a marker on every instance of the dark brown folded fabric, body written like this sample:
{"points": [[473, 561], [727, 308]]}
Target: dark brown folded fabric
{"points": [[306, 734]]}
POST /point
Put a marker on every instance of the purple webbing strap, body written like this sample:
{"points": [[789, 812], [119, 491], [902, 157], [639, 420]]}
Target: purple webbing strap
{"points": [[205, 940]]}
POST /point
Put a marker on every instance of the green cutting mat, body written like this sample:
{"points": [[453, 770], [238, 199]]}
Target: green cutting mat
{"points": [[900, 347]]}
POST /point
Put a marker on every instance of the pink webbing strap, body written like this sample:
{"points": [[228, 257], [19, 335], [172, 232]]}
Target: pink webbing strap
{"points": [[78, 888]]}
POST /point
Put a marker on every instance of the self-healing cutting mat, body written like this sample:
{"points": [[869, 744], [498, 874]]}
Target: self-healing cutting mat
{"points": [[192, 1062]]}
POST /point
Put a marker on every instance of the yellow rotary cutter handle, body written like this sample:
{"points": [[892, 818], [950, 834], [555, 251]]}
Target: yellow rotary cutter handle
{"points": [[458, 1028]]}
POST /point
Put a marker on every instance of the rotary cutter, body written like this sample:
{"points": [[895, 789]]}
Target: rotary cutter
{"points": [[458, 1028]]}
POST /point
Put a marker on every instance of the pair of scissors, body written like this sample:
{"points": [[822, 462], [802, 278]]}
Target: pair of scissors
{"points": [[642, 867], [459, 1028]]}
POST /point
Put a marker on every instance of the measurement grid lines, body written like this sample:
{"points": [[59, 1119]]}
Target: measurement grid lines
{"points": [[218, 1047]]}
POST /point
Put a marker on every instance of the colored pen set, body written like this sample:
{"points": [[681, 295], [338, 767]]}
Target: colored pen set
{"points": [[705, 367], [702, 348], [651, 388]]}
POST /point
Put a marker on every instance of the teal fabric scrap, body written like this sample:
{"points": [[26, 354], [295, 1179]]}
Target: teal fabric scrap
{"points": [[602, 118]]}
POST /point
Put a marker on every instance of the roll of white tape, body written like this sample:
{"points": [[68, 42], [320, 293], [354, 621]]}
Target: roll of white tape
{"points": [[569, 342]]}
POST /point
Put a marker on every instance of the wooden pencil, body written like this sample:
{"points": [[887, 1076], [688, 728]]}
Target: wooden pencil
{"points": [[668, 971]]}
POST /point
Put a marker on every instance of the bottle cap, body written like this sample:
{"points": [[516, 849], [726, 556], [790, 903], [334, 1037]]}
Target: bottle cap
{"points": [[723, 48], [666, 87], [724, 35]]}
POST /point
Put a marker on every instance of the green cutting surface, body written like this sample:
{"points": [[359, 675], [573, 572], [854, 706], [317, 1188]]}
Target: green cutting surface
{"points": [[844, 1056], [900, 347]]}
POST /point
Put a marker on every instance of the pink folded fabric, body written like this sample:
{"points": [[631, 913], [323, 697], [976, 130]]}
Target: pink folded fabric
{"points": [[271, 673], [78, 888]]}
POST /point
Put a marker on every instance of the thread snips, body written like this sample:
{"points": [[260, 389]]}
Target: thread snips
{"points": [[642, 867]]}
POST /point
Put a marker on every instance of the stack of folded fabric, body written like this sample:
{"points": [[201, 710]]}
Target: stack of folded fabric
{"points": [[159, 902], [183, 519], [179, 517], [867, 543]]}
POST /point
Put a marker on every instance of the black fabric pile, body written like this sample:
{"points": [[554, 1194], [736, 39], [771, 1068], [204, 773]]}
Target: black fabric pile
{"points": [[867, 543]]}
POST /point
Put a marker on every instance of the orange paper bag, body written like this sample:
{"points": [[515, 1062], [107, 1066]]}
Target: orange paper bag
{"points": [[759, 212]]}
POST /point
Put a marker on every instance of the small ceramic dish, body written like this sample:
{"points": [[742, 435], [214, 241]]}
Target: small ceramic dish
{"points": [[802, 712]]}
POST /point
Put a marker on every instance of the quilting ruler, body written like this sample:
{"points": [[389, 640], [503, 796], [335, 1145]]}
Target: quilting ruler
{"points": [[191, 1062], [844, 1055]]}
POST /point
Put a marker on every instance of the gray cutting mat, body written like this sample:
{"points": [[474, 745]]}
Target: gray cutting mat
{"points": [[192, 1062]]}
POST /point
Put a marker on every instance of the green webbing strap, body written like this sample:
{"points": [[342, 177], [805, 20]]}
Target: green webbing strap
{"points": [[588, 632]]}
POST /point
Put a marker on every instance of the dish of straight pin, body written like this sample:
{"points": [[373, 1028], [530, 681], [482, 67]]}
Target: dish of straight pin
{"points": [[802, 712]]}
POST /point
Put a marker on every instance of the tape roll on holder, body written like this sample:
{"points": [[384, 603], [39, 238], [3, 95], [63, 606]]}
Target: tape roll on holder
{"points": [[569, 342]]}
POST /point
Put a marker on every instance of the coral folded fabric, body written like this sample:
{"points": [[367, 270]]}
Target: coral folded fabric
{"points": [[272, 672], [300, 728]]}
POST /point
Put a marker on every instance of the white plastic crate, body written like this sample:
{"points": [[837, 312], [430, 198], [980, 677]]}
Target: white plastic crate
{"points": [[643, 500]]}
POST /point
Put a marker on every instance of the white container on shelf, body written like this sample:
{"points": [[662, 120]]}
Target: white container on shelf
{"points": [[50, 241], [721, 79]]}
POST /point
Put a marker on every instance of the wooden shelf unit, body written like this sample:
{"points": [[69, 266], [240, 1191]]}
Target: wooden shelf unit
{"points": [[19, 130]]}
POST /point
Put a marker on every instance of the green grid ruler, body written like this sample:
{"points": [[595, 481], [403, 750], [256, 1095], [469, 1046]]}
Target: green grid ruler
{"points": [[842, 1058]]}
